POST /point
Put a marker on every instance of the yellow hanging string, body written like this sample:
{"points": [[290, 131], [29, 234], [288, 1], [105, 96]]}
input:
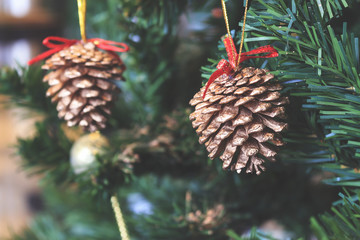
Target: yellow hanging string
{"points": [[242, 34], [227, 23], [228, 28], [82, 18], [225, 17], [119, 218]]}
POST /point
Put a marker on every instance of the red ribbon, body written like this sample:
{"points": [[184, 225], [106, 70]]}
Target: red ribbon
{"points": [[229, 67], [62, 43]]}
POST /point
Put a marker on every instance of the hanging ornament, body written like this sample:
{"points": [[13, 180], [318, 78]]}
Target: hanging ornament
{"points": [[82, 76], [83, 152], [238, 113]]}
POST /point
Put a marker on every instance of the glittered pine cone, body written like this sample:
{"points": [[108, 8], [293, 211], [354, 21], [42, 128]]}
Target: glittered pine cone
{"points": [[239, 119], [81, 84]]}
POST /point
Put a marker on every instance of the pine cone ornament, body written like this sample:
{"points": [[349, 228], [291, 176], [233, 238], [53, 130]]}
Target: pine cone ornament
{"points": [[239, 118], [81, 84]]}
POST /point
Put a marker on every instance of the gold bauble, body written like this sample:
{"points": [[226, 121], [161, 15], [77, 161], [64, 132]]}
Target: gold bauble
{"points": [[83, 152]]}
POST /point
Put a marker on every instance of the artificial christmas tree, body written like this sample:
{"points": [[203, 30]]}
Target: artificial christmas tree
{"points": [[318, 69]]}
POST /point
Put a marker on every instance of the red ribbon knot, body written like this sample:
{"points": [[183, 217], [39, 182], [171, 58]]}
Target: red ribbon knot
{"points": [[57, 44], [229, 67]]}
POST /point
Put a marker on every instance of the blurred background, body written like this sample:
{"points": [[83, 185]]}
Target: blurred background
{"points": [[23, 25]]}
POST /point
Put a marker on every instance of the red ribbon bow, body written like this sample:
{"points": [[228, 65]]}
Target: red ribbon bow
{"points": [[64, 43], [228, 67]]}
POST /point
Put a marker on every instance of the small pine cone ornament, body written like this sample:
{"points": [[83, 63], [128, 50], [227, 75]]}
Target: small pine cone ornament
{"points": [[81, 84], [239, 119]]}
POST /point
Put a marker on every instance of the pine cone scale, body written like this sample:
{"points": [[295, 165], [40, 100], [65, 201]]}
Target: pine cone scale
{"points": [[82, 83], [243, 101], [77, 102]]}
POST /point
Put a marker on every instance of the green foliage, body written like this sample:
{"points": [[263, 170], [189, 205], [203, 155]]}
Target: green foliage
{"points": [[346, 176], [144, 26], [25, 87], [329, 65], [318, 67], [254, 235], [47, 152], [343, 221], [327, 78], [69, 216], [168, 149]]}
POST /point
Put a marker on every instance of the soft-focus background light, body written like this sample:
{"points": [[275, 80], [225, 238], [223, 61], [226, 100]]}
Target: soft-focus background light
{"points": [[23, 24], [17, 8], [18, 52]]}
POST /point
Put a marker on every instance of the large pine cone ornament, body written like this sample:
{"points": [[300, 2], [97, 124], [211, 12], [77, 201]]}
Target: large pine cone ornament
{"points": [[239, 118], [81, 84]]}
